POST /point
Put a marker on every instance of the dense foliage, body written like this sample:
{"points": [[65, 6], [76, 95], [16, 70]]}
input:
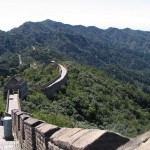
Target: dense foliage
{"points": [[9, 60], [91, 99], [39, 76], [89, 45]]}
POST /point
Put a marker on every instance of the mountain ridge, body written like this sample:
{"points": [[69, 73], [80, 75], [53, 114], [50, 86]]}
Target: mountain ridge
{"points": [[89, 45], [79, 29]]}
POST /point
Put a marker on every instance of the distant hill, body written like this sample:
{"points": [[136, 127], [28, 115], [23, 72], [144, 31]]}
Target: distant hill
{"points": [[89, 45], [125, 38]]}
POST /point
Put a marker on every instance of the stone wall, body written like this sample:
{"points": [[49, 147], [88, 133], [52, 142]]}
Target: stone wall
{"points": [[14, 87], [50, 90], [7, 102], [35, 134]]}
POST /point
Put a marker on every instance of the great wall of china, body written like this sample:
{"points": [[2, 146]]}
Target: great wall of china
{"points": [[34, 134]]}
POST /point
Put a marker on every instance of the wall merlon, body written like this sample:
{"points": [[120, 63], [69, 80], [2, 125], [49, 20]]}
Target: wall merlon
{"points": [[14, 111], [18, 113], [18, 123], [24, 116], [47, 129], [43, 133], [14, 121], [29, 131], [82, 139], [32, 122]]}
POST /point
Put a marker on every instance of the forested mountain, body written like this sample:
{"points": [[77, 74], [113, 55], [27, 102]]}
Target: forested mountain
{"points": [[125, 38], [111, 88], [89, 45]]}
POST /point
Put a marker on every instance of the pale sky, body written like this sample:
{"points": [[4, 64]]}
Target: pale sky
{"points": [[134, 14]]}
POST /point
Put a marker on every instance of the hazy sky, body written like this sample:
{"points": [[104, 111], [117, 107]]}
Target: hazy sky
{"points": [[134, 14]]}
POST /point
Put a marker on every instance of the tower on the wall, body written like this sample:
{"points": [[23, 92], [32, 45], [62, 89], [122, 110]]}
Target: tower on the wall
{"points": [[14, 84]]}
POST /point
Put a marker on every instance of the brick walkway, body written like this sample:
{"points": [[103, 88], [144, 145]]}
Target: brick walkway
{"points": [[13, 102], [63, 74], [8, 145]]}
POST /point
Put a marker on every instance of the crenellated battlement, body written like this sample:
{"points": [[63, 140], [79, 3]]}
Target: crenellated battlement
{"points": [[34, 134]]}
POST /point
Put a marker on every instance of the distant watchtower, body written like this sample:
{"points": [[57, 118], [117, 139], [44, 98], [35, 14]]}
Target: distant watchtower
{"points": [[14, 84]]}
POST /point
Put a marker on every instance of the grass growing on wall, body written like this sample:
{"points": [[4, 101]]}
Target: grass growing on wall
{"points": [[2, 104]]}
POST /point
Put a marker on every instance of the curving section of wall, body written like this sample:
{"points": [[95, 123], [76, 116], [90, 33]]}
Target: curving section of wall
{"points": [[35, 134], [51, 87]]}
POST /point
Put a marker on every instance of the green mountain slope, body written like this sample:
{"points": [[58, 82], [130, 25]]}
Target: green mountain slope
{"points": [[91, 99], [88, 45], [126, 38]]}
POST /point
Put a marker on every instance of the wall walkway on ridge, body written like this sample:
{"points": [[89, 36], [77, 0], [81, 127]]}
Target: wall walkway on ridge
{"points": [[13, 102], [62, 75], [51, 87]]}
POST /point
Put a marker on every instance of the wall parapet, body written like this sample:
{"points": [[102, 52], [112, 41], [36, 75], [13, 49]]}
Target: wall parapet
{"points": [[34, 134], [52, 86], [7, 102]]}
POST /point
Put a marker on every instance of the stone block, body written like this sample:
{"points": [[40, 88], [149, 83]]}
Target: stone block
{"points": [[14, 123], [87, 139], [46, 130], [18, 114], [51, 146], [32, 122], [43, 132], [29, 127]]}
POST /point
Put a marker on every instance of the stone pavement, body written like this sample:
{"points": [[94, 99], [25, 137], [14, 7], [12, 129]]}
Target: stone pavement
{"points": [[8, 145], [13, 102], [63, 74]]}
